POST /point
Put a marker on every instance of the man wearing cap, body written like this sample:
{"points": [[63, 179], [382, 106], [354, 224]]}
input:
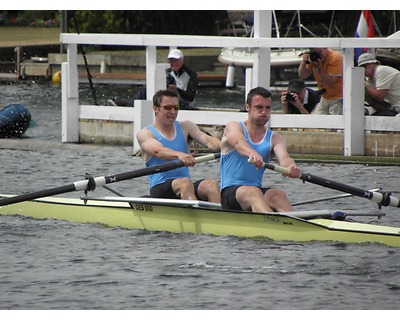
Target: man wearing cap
{"points": [[326, 65], [181, 78], [382, 86], [298, 99]]}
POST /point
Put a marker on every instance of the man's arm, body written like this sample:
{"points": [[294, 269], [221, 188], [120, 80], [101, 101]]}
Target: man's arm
{"points": [[193, 131], [285, 103], [279, 147], [303, 71], [377, 94]]}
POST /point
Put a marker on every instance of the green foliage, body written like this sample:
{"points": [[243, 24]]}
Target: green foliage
{"points": [[38, 18], [146, 21]]}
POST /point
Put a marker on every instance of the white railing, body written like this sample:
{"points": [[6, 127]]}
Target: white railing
{"points": [[353, 122]]}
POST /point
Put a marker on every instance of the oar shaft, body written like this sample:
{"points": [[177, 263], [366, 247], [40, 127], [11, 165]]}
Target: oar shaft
{"points": [[155, 169], [101, 181], [37, 194], [340, 196], [380, 198]]}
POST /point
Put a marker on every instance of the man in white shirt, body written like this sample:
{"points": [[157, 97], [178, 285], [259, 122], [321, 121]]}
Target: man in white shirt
{"points": [[382, 86]]}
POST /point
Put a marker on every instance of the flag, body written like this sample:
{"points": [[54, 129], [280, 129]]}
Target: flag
{"points": [[365, 29]]}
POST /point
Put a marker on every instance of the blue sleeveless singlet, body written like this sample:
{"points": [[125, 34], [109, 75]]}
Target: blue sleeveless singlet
{"points": [[178, 143], [234, 168]]}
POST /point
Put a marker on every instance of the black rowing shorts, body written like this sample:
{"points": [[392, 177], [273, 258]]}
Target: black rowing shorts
{"points": [[228, 198], [164, 190]]}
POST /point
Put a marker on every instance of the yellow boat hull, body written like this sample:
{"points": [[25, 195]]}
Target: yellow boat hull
{"points": [[183, 218]]}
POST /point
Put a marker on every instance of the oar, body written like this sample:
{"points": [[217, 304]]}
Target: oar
{"points": [[345, 195], [340, 196], [92, 183], [381, 198]]}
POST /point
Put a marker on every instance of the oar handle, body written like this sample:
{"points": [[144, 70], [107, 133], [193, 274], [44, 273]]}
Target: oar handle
{"points": [[276, 168], [381, 198], [207, 157]]}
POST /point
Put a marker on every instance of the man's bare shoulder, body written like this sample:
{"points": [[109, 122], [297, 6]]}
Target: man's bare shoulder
{"points": [[144, 133], [277, 138], [233, 124]]}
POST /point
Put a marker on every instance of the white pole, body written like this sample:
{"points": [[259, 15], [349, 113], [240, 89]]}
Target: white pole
{"points": [[230, 77]]}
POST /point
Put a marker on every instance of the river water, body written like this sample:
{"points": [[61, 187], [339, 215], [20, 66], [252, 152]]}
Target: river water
{"points": [[57, 265]]}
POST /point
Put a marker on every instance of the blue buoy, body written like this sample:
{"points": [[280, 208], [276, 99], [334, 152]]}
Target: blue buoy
{"points": [[14, 121]]}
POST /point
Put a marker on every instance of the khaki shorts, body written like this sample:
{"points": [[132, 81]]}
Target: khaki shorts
{"points": [[329, 107]]}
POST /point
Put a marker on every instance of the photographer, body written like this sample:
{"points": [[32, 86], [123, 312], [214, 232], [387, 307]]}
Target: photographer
{"points": [[181, 78], [178, 77], [298, 99], [326, 66]]}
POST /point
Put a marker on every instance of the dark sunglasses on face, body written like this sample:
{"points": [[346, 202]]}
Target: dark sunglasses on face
{"points": [[169, 107]]}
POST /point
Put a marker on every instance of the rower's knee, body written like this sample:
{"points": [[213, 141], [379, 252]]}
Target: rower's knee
{"points": [[275, 195], [183, 188], [208, 190], [278, 200]]}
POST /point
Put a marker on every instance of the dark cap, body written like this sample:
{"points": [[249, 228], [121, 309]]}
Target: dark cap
{"points": [[296, 85]]}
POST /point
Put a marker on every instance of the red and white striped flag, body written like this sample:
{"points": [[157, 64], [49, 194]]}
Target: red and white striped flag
{"points": [[365, 29]]}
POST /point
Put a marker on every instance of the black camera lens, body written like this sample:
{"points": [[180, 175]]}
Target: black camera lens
{"points": [[289, 96], [315, 56], [170, 79]]}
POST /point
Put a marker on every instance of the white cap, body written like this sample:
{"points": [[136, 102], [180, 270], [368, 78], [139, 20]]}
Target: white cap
{"points": [[366, 58], [175, 54]]}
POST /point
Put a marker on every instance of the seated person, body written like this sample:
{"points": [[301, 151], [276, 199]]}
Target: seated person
{"points": [[298, 99], [382, 86], [167, 139], [182, 79], [179, 77]]}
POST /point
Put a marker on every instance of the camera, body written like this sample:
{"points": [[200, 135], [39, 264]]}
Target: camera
{"points": [[289, 97], [315, 56], [170, 79]]}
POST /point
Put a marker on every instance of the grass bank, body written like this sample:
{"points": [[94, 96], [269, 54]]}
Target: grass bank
{"points": [[28, 36]]}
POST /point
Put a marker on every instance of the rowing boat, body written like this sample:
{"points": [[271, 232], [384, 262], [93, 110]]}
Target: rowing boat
{"points": [[199, 217]]}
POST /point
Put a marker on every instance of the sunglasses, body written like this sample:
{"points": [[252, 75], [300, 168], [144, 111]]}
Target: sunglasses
{"points": [[169, 107]]}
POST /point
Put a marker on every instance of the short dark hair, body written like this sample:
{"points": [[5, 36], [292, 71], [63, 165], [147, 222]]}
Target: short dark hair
{"points": [[296, 85], [163, 93], [258, 91]]}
